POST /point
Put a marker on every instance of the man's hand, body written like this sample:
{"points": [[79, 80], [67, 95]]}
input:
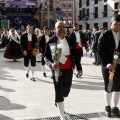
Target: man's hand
{"points": [[80, 73], [118, 61], [54, 66], [110, 67], [41, 54], [25, 53]]}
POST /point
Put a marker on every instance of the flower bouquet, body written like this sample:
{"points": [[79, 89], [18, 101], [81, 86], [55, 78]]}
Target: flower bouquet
{"points": [[34, 51], [111, 74], [56, 55]]}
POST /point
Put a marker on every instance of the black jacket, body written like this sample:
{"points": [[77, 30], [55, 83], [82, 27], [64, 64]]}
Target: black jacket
{"points": [[106, 47], [42, 44], [48, 56], [82, 36], [24, 41], [95, 39]]}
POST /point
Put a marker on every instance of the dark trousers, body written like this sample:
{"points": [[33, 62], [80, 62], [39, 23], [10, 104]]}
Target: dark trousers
{"points": [[43, 61], [116, 80], [30, 58], [78, 55], [62, 87]]}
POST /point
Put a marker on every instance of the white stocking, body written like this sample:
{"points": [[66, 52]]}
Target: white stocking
{"points": [[61, 110], [115, 99], [27, 69], [43, 68], [108, 97], [33, 69]]}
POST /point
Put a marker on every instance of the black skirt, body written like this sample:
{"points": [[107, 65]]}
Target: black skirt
{"points": [[13, 51]]}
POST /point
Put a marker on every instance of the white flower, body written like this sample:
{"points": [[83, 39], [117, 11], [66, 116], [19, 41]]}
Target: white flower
{"points": [[115, 57], [59, 46], [52, 48]]}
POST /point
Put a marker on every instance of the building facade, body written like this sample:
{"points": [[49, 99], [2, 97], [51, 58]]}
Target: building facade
{"points": [[68, 8], [90, 13]]}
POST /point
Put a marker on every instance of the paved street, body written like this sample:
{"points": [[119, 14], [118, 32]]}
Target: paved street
{"points": [[22, 99]]}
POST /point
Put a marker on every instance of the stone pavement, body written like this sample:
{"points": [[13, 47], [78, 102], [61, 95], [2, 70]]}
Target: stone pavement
{"points": [[22, 99]]}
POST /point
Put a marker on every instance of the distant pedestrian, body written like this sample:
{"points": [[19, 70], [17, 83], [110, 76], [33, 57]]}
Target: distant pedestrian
{"points": [[13, 50], [28, 41]]}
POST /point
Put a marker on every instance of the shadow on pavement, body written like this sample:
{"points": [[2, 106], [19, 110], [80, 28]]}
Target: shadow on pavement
{"points": [[5, 104], [6, 89], [2, 117]]}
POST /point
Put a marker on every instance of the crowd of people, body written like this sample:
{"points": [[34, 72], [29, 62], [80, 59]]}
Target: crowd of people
{"points": [[62, 51]]}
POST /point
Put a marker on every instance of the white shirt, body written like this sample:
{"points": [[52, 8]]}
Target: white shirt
{"points": [[65, 47], [29, 37], [47, 38], [78, 39], [116, 36]]}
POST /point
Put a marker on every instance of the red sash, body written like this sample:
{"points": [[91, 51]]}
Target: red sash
{"points": [[29, 45], [78, 46], [67, 65]]}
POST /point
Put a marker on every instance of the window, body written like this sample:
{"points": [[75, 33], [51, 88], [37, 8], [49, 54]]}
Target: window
{"points": [[87, 26], [64, 5], [70, 6], [105, 0], [96, 1], [88, 12], [105, 25], [105, 11], [70, 14], [87, 2], [80, 15], [80, 3], [116, 8], [96, 12], [95, 24], [80, 26]]}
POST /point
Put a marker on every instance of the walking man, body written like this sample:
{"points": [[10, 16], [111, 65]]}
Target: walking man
{"points": [[108, 46], [66, 64], [28, 41], [79, 42]]}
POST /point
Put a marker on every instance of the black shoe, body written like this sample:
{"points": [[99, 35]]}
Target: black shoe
{"points": [[15, 60], [108, 111], [115, 111], [33, 79], [44, 74], [27, 75]]}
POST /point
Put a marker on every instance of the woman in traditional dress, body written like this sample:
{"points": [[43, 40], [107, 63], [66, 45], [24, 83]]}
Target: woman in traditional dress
{"points": [[4, 39], [13, 50], [38, 34]]}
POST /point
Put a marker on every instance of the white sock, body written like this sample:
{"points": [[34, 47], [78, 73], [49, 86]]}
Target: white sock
{"points": [[61, 110], [115, 99], [75, 70], [27, 69], [108, 97], [43, 68], [33, 69]]}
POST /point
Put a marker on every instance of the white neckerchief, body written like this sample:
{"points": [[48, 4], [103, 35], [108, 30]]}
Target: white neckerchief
{"points": [[65, 46], [116, 36], [29, 37], [47, 38], [78, 39], [14, 38]]}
